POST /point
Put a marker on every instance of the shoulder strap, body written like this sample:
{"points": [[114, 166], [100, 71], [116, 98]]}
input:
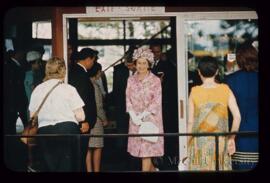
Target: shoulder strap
{"points": [[37, 111]]}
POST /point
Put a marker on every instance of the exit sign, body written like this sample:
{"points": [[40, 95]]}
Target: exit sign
{"points": [[125, 10]]}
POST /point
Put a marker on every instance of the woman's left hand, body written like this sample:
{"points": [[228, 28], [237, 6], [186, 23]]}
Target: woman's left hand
{"points": [[85, 127], [231, 146]]}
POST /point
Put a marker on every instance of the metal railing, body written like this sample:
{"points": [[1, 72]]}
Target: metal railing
{"points": [[79, 136]]}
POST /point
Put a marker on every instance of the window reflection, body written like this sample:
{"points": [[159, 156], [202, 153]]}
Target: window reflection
{"points": [[218, 38], [42, 30], [100, 30], [115, 29], [146, 29]]}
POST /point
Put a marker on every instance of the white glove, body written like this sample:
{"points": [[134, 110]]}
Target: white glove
{"points": [[143, 115], [135, 119]]}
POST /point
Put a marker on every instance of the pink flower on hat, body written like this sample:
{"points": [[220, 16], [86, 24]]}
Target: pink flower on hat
{"points": [[143, 53]]}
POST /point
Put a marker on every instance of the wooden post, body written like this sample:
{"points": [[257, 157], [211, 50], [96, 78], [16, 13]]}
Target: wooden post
{"points": [[57, 28], [57, 33]]}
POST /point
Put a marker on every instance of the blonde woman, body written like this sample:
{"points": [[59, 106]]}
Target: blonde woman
{"points": [[60, 114]]}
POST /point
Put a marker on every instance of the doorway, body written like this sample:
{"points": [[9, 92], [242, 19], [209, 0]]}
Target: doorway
{"points": [[185, 23]]}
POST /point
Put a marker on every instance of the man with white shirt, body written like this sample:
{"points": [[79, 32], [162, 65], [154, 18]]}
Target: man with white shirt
{"points": [[78, 78]]}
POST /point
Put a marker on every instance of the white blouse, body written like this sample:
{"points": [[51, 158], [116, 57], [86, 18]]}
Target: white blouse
{"points": [[60, 104]]}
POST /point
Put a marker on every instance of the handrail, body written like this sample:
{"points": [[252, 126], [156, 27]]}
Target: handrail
{"points": [[216, 135], [138, 135]]}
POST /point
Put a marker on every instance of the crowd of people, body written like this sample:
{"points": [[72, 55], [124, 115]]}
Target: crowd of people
{"points": [[145, 98]]}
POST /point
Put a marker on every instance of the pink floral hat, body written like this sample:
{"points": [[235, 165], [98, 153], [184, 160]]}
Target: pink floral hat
{"points": [[143, 53]]}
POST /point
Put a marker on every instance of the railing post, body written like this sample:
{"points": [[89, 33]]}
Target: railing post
{"points": [[79, 152], [217, 152]]}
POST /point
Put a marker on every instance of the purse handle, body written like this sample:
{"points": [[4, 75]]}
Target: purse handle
{"points": [[45, 98]]}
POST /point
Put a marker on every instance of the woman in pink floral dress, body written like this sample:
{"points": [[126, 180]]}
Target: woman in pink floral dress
{"points": [[143, 99]]}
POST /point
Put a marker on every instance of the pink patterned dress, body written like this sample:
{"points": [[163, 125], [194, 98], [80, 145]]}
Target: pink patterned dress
{"points": [[142, 96]]}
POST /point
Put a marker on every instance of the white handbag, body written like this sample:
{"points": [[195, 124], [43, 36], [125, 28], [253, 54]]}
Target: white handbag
{"points": [[148, 127]]}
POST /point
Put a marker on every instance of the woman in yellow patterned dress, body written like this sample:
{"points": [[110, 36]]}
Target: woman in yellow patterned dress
{"points": [[208, 112]]}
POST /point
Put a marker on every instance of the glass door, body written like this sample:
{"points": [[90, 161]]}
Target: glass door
{"points": [[216, 34]]}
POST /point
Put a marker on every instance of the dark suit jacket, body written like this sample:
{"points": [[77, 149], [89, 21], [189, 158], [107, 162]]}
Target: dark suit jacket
{"points": [[169, 82], [79, 79], [120, 77], [169, 98], [104, 82], [160, 67], [14, 92]]}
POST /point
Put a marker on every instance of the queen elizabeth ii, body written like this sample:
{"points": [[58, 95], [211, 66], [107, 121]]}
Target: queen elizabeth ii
{"points": [[143, 99]]}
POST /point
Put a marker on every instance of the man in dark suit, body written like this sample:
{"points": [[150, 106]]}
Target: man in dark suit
{"points": [[164, 68], [78, 77], [120, 76], [159, 64], [14, 93], [15, 105]]}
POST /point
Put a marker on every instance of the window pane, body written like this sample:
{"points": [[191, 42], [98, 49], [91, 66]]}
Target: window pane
{"points": [[9, 44], [107, 56], [219, 38], [48, 52], [146, 29], [42, 30], [100, 30]]}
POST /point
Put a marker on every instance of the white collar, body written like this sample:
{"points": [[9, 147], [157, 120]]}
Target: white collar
{"points": [[82, 67], [16, 61]]}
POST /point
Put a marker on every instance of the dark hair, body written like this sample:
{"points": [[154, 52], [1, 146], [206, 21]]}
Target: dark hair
{"points": [[10, 53], [74, 56], [247, 57], [208, 66], [39, 48], [87, 52], [155, 45], [94, 70], [129, 53]]}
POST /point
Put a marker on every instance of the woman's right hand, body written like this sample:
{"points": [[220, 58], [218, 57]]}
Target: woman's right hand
{"points": [[231, 146], [134, 118], [85, 127]]}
